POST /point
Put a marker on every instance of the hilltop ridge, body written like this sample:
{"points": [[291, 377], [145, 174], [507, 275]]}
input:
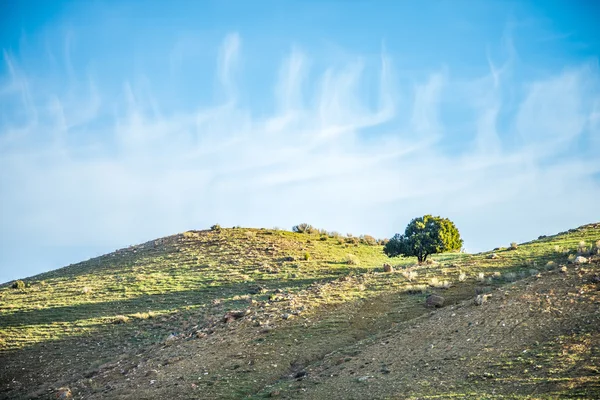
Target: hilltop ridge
{"points": [[232, 313]]}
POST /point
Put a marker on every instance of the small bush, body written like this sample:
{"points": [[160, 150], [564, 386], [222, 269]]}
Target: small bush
{"points": [[415, 289], [323, 232], [436, 283], [510, 276], [514, 246], [383, 242], [323, 238], [582, 248], [18, 285], [550, 265], [120, 319], [334, 234], [351, 259], [352, 240], [306, 256], [305, 228], [410, 275], [368, 240], [215, 228]]}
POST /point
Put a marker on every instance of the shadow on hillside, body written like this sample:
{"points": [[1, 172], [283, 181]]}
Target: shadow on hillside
{"points": [[143, 303]]}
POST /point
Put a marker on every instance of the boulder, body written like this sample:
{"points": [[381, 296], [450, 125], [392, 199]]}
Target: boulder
{"points": [[434, 300], [388, 268]]}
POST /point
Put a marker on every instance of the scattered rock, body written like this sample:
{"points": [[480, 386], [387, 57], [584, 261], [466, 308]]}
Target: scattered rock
{"points": [[64, 393], [171, 338], [274, 393], [235, 314], [580, 260], [595, 278], [433, 300], [481, 298], [493, 256], [563, 269], [152, 373], [364, 378], [388, 268]]}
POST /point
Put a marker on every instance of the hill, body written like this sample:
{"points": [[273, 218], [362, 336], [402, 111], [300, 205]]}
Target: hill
{"points": [[249, 313]]}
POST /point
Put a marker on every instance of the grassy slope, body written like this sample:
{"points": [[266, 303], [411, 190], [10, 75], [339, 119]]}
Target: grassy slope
{"points": [[100, 326]]}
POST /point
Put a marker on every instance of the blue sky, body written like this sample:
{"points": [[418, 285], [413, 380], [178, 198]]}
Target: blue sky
{"points": [[124, 121]]}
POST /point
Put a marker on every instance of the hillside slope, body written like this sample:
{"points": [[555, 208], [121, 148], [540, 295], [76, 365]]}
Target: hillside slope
{"points": [[237, 312]]}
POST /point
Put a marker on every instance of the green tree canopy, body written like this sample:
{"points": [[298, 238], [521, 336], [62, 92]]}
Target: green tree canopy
{"points": [[424, 236]]}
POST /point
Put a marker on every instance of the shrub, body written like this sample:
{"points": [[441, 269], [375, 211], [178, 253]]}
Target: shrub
{"points": [[215, 228], [582, 248], [334, 234], [415, 289], [322, 232], [510, 276], [352, 240], [323, 238], [304, 228], [18, 285], [351, 259], [368, 240], [514, 246], [424, 236], [120, 319], [383, 242], [306, 256], [410, 275]]}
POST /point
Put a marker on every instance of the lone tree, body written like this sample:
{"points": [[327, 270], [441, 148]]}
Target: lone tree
{"points": [[424, 236]]}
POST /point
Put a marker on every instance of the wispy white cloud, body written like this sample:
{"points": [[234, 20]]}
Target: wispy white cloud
{"points": [[325, 155], [227, 60]]}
